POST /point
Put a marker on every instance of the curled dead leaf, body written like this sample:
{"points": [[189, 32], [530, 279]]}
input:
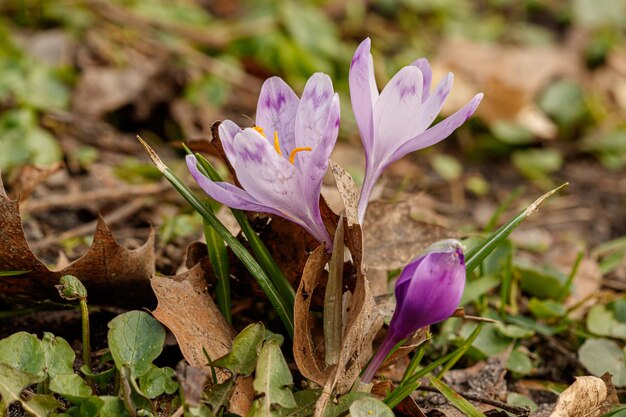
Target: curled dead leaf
{"points": [[588, 396]]}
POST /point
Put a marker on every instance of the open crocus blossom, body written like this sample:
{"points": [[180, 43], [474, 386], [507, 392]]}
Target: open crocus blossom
{"points": [[281, 161], [396, 121], [428, 291]]}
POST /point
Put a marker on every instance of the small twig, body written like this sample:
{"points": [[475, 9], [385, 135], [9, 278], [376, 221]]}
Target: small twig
{"points": [[502, 405], [115, 216], [89, 197]]}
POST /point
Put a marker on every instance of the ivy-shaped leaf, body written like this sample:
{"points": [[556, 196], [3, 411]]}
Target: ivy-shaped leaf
{"points": [[272, 381], [243, 356]]}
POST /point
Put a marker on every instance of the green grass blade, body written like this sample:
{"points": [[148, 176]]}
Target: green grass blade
{"points": [[476, 255], [459, 402], [280, 305], [12, 273], [219, 261], [258, 247]]}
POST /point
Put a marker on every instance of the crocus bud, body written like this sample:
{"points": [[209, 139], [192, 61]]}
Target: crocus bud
{"points": [[428, 291]]}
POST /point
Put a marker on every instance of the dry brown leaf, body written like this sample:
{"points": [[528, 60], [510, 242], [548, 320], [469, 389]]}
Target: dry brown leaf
{"points": [[586, 397], [307, 357], [347, 191], [192, 381], [393, 237], [29, 177], [508, 75], [111, 273], [186, 308]]}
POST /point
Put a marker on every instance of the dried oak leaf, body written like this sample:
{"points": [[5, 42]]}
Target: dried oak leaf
{"points": [[393, 236], [588, 396], [187, 309], [111, 273]]}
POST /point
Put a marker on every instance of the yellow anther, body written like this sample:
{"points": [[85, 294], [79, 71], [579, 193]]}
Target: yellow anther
{"points": [[292, 156], [259, 129], [277, 143]]}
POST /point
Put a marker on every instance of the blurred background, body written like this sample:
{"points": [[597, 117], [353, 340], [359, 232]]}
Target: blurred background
{"points": [[79, 79]]}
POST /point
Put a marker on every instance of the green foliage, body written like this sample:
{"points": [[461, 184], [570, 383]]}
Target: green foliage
{"points": [[459, 402], [242, 359], [604, 355], [370, 407], [135, 339], [273, 381]]}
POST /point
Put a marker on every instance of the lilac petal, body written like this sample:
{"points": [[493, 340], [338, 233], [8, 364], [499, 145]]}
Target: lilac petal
{"points": [[427, 73], [363, 92], [223, 192], [438, 132], [270, 179], [395, 112], [313, 114], [433, 104], [228, 130], [276, 112]]}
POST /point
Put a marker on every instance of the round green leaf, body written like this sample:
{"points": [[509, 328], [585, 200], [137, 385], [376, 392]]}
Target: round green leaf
{"points": [[519, 363], [158, 381], [23, 351], [603, 355], [370, 407], [70, 386], [135, 340], [58, 355]]}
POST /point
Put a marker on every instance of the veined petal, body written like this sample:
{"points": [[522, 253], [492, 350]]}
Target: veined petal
{"points": [[433, 104], [363, 92], [313, 111], [228, 130], [427, 73], [276, 112], [223, 192], [396, 111], [438, 132], [268, 177]]}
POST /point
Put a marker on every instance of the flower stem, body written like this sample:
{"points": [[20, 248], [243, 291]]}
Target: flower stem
{"points": [[84, 311], [378, 359]]}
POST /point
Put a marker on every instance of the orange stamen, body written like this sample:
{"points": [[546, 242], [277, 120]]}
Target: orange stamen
{"points": [[292, 156], [277, 144], [259, 129]]}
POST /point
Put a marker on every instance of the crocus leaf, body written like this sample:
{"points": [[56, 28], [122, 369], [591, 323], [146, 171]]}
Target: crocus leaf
{"points": [[135, 339], [459, 402], [370, 407], [479, 252], [242, 358], [273, 380], [283, 309]]}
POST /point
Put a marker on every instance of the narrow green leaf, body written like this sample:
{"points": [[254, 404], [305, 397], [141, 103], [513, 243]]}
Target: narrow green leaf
{"points": [[242, 358], [12, 273], [135, 339], [456, 400], [370, 407], [476, 255], [261, 252], [333, 309], [283, 308], [219, 261]]}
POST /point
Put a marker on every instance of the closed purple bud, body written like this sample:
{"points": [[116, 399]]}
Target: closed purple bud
{"points": [[428, 291]]}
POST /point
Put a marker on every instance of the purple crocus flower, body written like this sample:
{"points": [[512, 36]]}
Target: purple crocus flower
{"points": [[396, 121], [428, 291], [281, 161]]}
